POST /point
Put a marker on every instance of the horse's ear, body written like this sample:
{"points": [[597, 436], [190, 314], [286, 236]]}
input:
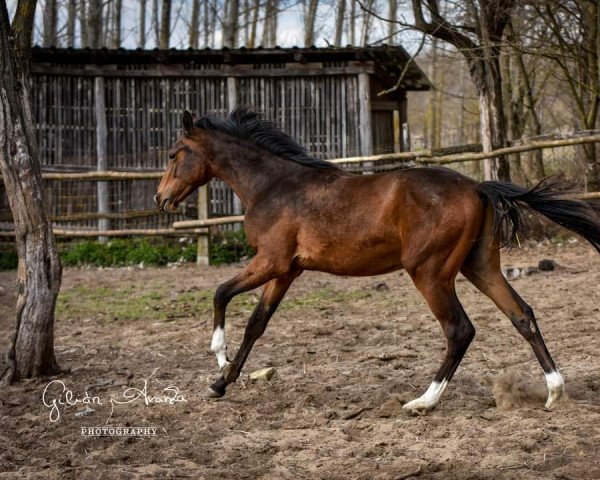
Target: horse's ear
{"points": [[188, 122]]}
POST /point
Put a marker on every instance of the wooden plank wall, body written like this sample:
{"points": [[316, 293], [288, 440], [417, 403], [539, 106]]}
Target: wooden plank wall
{"points": [[143, 118]]}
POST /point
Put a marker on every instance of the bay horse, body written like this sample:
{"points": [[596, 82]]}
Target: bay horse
{"points": [[303, 213]]}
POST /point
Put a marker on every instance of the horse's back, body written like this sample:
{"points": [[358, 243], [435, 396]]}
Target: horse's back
{"points": [[366, 225]]}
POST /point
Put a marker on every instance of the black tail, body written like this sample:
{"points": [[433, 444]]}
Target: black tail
{"points": [[550, 197]]}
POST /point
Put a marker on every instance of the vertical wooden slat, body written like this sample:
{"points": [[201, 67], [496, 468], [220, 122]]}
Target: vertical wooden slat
{"points": [[101, 151], [364, 112]]}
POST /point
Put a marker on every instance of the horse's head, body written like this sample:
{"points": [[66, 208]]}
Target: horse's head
{"points": [[187, 169]]}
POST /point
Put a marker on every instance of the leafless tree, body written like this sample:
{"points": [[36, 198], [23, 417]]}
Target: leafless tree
{"points": [[339, 22], [310, 16], [165, 25], [117, 23], [94, 23], [71, 22], [574, 46], [194, 24], [142, 31], [477, 33], [50, 23], [230, 23], [30, 352]]}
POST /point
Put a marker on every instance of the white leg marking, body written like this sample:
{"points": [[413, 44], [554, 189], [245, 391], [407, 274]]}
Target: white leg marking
{"points": [[428, 400], [556, 385], [219, 347]]}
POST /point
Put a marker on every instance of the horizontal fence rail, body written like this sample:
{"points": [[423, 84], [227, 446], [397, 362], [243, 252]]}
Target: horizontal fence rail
{"points": [[426, 157], [200, 227]]}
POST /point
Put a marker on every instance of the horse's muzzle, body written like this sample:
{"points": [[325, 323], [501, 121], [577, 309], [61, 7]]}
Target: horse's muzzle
{"points": [[163, 203]]}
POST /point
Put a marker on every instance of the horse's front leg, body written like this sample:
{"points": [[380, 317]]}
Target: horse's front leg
{"points": [[272, 295]]}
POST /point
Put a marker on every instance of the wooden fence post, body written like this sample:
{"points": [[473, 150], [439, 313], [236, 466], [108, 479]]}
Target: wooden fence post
{"points": [[232, 91], [203, 256], [365, 132], [102, 155]]}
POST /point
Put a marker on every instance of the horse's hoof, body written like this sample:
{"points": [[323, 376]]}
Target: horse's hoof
{"points": [[417, 407], [210, 393], [554, 399], [217, 389]]}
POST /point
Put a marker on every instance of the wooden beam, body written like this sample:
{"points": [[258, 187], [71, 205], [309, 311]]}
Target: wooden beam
{"points": [[102, 154], [226, 71], [203, 256], [364, 114], [232, 102], [108, 175], [208, 222], [116, 233]]}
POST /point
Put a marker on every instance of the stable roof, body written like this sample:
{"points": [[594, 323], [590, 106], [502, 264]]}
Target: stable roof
{"points": [[383, 61]]}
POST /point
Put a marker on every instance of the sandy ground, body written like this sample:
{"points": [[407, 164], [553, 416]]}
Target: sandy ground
{"points": [[348, 352]]}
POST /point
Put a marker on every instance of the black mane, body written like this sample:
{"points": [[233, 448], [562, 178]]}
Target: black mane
{"points": [[248, 125]]}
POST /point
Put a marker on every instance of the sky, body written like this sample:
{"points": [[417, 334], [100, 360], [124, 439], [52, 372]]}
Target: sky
{"points": [[290, 31]]}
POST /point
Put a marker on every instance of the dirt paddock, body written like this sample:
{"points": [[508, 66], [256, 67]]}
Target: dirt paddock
{"points": [[347, 351]]}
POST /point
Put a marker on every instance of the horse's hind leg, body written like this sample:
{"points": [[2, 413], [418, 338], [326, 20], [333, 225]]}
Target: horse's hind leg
{"points": [[482, 268], [459, 332]]}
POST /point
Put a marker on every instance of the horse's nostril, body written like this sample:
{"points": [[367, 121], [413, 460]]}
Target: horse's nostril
{"points": [[156, 198]]}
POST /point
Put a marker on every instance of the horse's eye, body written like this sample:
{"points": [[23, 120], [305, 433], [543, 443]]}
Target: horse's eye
{"points": [[172, 156]]}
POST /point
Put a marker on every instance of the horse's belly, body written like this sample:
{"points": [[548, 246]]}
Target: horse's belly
{"points": [[352, 260]]}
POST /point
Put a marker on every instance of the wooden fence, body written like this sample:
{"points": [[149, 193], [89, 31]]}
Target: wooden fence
{"points": [[217, 194]]}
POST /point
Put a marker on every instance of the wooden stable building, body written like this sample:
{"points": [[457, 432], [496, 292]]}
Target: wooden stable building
{"points": [[121, 110]]}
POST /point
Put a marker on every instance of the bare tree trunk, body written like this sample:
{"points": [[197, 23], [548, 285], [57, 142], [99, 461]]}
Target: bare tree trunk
{"points": [[461, 114], [255, 9], [246, 22], [392, 14], [195, 24], [206, 23], [432, 95], [486, 73], [513, 106], [71, 19], [309, 22], [339, 22], [155, 20], [50, 23], [366, 25], [95, 23], [83, 24], [31, 349], [118, 12], [165, 25], [230, 25], [142, 41], [107, 24], [274, 20], [267, 23], [352, 21]]}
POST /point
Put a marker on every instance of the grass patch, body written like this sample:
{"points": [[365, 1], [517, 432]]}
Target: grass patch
{"points": [[159, 303], [108, 304], [323, 297]]}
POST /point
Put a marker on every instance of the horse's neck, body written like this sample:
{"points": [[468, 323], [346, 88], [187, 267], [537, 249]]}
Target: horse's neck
{"points": [[249, 173]]}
